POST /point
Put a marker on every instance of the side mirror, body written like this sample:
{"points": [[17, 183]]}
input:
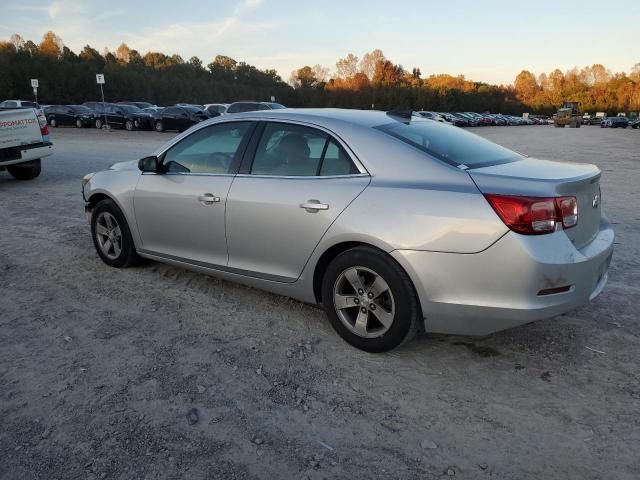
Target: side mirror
{"points": [[149, 164]]}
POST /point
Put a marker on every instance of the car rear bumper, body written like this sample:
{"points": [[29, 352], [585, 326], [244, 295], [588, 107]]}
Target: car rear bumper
{"points": [[507, 284], [27, 153]]}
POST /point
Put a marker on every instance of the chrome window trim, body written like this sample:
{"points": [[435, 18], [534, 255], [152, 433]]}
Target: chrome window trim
{"points": [[352, 156], [310, 177], [226, 119], [190, 174]]}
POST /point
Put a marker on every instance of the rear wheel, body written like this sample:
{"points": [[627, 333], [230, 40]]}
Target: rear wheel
{"points": [[128, 125], [25, 171], [158, 126], [111, 235], [369, 300]]}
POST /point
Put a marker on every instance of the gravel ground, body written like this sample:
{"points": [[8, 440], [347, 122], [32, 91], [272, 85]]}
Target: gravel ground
{"points": [[157, 372]]}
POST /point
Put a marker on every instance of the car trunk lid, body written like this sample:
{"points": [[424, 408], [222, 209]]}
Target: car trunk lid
{"points": [[544, 178]]}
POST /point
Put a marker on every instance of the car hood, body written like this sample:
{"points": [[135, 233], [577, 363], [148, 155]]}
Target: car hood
{"points": [[128, 165]]}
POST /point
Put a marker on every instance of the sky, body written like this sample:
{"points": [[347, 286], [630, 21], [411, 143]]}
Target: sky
{"points": [[489, 41]]}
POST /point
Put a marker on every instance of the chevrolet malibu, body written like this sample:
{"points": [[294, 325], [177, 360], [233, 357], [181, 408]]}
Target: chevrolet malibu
{"points": [[389, 221]]}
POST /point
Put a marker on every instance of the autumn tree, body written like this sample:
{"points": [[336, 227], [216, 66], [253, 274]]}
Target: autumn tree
{"points": [[526, 86], [369, 62], [304, 77], [123, 53], [347, 67], [321, 73], [387, 74], [90, 54], [17, 41], [51, 45]]}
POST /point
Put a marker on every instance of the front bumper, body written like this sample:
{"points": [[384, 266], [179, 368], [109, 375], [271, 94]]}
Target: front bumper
{"points": [[498, 288]]}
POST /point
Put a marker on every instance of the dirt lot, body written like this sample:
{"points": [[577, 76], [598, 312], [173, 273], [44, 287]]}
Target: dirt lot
{"points": [[157, 372]]}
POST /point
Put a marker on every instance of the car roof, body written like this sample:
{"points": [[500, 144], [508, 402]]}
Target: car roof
{"points": [[323, 116]]}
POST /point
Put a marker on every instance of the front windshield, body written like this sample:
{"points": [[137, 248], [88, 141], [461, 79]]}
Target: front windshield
{"points": [[452, 145]]}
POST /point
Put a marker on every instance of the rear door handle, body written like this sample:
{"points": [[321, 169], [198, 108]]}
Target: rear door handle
{"points": [[312, 206], [208, 199]]}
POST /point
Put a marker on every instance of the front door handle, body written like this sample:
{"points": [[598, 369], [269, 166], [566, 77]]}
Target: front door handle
{"points": [[208, 199], [312, 206]]}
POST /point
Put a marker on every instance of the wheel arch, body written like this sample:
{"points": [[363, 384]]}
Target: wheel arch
{"points": [[334, 250]]}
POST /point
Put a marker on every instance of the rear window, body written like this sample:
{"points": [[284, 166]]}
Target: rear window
{"points": [[452, 145]]}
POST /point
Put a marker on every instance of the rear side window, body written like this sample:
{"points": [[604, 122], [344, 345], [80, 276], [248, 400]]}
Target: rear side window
{"points": [[208, 150], [452, 145], [294, 150]]}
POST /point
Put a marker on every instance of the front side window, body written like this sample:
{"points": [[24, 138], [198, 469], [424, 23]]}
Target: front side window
{"points": [[294, 150], [209, 150], [454, 146]]}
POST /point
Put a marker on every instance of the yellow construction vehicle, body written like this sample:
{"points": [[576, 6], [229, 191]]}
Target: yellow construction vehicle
{"points": [[568, 114]]}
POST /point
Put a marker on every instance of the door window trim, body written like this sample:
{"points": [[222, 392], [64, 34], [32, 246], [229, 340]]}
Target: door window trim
{"points": [[250, 153]]}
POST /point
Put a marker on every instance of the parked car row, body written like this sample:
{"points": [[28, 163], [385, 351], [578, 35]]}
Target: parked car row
{"points": [[615, 122], [144, 115], [473, 119]]}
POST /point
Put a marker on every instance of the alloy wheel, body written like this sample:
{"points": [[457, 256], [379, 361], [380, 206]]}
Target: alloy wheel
{"points": [[364, 302], [109, 235]]}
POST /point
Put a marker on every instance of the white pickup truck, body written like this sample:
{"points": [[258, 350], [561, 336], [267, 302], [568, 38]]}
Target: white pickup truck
{"points": [[24, 140]]}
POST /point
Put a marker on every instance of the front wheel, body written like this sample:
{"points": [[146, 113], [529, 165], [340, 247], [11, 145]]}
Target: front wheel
{"points": [[53, 123], [111, 235], [25, 171], [370, 300], [79, 123], [98, 123], [129, 125], [159, 126]]}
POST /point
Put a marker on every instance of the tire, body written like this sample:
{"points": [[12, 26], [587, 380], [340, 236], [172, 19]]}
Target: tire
{"points": [[128, 125], [159, 127], [99, 123], [79, 123], [114, 245], [25, 171], [395, 300], [53, 123]]}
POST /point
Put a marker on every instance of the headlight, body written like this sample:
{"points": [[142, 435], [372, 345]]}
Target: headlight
{"points": [[86, 178]]}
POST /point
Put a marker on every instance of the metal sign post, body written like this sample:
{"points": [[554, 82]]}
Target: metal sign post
{"points": [[100, 81], [34, 85]]}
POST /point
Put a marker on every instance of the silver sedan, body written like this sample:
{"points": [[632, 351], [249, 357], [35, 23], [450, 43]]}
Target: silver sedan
{"points": [[390, 221]]}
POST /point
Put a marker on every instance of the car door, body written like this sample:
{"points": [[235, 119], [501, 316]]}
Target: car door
{"points": [[169, 118], [183, 120], [69, 116], [180, 213], [297, 181], [118, 116]]}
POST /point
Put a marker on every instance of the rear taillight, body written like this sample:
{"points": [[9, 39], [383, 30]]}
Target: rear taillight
{"points": [[44, 128], [535, 215]]}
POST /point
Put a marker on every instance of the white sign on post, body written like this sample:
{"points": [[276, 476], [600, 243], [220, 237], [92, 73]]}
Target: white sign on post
{"points": [[34, 82], [100, 78], [273, 99]]}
